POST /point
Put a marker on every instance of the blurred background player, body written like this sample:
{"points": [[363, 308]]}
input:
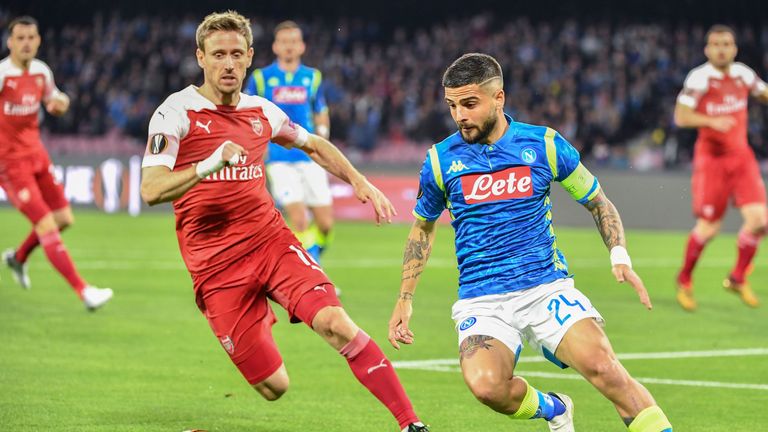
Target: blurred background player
{"points": [[494, 178], [205, 154], [26, 171], [714, 100], [297, 183]]}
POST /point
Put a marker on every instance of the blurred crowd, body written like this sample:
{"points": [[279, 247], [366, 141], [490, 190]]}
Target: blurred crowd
{"points": [[602, 85]]}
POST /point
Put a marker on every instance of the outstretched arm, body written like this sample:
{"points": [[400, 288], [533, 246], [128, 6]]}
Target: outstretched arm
{"points": [[417, 251], [333, 160], [611, 229]]}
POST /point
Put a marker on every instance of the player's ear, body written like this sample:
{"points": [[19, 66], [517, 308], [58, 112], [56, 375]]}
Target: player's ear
{"points": [[500, 98], [200, 56], [249, 53]]}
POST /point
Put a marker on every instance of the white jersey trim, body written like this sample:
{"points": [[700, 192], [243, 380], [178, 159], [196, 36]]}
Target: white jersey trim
{"points": [[8, 69], [697, 82], [171, 120]]}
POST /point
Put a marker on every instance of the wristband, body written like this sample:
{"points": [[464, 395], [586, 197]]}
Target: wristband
{"points": [[619, 255], [214, 162]]}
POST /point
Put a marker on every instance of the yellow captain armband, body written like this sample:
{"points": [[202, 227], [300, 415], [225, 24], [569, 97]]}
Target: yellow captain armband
{"points": [[581, 184]]}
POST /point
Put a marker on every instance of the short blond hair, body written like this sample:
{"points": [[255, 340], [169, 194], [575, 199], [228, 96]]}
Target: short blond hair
{"points": [[223, 21]]}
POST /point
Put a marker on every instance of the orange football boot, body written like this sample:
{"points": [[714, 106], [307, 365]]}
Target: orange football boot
{"points": [[685, 296]]}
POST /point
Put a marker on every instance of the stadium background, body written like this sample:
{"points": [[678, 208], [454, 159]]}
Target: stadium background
{"points": [[604, 74]]}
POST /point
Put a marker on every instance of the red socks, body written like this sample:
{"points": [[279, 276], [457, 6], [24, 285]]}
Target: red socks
{"points": [[692, 254], [375, 372], [29, 244], [747, 247], [59, 257]]}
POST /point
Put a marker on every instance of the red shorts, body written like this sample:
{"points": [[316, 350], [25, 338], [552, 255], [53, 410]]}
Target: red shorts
{"points": [[31, 186], [720, 179], [234, 300]]}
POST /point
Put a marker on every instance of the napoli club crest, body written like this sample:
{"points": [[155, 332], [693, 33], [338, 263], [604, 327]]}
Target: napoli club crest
{"points": [[467, 323], [528, 155], [258, 128]]}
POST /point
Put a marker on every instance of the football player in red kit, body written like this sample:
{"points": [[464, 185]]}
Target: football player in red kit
{"points": [[26, 171], [205, 153], [714, 100]]}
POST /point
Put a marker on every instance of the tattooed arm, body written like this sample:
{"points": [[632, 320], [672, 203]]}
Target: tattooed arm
{"points": [[607, 220], [417, 251], [611, 229]]}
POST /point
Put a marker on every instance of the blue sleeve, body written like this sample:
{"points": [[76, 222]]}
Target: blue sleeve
{"points": [[568, 158], [250, 86], [318, 100], [430, 200]]}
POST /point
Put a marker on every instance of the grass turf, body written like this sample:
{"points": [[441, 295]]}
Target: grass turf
{"points": [[148, 361]]}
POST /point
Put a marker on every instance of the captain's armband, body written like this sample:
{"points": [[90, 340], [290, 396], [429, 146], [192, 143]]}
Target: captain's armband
{"points": [[581, 184]]}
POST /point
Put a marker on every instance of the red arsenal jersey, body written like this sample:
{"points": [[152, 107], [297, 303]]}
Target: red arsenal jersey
{"points": [[21, 92], [229, 213], [711, 92]]}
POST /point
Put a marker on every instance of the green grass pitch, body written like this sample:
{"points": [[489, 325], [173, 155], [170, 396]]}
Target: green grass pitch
{"points": [[149, 362]]}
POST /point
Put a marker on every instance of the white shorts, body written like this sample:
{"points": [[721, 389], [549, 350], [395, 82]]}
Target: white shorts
{"points": [[299, 182], [541, 315]]}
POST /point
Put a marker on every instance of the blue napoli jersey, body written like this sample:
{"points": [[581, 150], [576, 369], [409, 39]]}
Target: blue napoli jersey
{"points": [[498, 199], [297, 93]]}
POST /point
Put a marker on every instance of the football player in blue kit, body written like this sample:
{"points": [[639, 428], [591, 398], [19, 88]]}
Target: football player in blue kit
{"points": [[494, 177], [296, 182]]}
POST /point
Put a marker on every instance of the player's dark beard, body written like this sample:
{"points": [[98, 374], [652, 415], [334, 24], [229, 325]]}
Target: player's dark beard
{"points": [[482, 132]]}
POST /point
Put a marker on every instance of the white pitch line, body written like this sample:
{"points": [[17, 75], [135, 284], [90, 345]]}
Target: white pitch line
{"points": [[451, 365], [421, 364]]}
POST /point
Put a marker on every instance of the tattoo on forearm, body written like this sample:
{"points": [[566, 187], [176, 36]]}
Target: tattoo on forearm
{"points": [[607, 220], [417, 249], [406, 296], [415, 256], [472, 344], [412, 271]]}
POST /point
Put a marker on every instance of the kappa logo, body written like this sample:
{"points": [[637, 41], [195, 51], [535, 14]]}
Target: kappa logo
{"points": [[228, 345], [382, 364], [457, 166], [204, 126]]}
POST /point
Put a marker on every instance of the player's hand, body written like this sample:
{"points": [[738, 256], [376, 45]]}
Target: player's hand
{"points": [[57, 105], [231, 152], [228, 153], [624, 273], [398, 324], [365, 192], [722, 123]]}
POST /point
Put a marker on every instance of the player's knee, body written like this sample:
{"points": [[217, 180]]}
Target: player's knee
{"points": [[65, 220], [46, 225], [606, 372], [488, 387], [334, 325], [274, 388]]}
